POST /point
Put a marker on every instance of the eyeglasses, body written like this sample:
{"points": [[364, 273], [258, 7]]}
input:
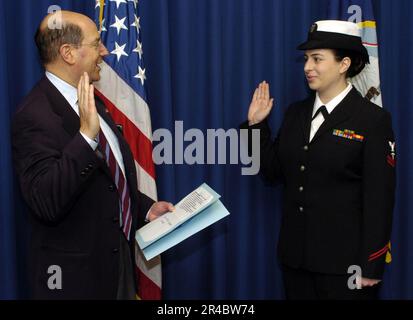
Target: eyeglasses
{"points": [[95, 44]]}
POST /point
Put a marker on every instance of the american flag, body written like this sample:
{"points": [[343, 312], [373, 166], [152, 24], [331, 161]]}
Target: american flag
{"points": [[122, 88]]}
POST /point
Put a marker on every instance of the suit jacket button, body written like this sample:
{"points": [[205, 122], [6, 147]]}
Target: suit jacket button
{"points": [[115, 250], [301, 188], [305, 148], [301, 209], [302, 168], [83, 173]]}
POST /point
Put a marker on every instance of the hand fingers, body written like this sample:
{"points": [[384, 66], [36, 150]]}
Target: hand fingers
{"points": [[167, 206], [79, 88], [368, 283], [263, 84], [80, 92], [260, 91], [266, 91], [171, 207], [92, 98], [163, 207], [263, 91], [255, 96], [86, 87], [270, 104]]}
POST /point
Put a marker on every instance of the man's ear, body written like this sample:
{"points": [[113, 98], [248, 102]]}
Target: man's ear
{"points": [[345, 64], [67, 53]]}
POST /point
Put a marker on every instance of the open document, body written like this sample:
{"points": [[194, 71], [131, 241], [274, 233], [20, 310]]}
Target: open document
{"points": [[193, 213]]}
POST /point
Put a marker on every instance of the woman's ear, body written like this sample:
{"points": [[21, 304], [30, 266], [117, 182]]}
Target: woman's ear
{"points": [[345, 64]]}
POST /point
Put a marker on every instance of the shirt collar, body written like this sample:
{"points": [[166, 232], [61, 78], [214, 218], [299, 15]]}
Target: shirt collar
{"points": [[67, 90], [333, 102]]}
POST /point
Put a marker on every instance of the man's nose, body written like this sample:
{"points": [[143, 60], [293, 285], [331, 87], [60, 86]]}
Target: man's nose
{"points": [[103, 51]]}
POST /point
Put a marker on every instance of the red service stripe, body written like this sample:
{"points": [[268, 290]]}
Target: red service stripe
{"points": [[391, 161], [139, 144], [377, 256], [379, 253]]}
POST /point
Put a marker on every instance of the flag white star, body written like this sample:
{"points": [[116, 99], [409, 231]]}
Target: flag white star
{"points": [[97, 4], [119, 51], [119, 24], [135, 2], [136, 23], [118, 2], [138, 49], [103, 26], [141, 75]]}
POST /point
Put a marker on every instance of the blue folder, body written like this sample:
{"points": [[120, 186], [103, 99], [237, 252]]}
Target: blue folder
{"points": [[209, 215]]}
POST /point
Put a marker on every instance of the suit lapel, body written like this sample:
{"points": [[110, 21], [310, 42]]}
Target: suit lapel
{"points": [[341, 112], [70, 120]]}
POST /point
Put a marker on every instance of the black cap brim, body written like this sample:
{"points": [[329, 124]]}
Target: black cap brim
{"points": [[329, 40]]}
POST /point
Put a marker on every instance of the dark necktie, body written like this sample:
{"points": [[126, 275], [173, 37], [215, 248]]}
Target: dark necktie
{"points": [[323, 111], [120, 182]]}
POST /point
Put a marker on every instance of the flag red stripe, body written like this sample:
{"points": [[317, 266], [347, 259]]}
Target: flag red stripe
{"points": [[147, 289], [136, 139]]}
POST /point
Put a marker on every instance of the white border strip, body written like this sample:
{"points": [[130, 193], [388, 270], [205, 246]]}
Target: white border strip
{"points": [[125, 99]]}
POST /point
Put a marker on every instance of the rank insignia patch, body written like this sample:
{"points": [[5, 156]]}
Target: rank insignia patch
{"points": [[348, 134], [391, 158]]}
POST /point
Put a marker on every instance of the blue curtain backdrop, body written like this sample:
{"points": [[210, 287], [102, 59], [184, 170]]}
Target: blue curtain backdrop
{"points": [[203, 60]]}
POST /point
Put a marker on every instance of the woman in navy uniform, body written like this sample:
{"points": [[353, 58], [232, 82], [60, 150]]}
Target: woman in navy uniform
{"points": [[335, 153]]}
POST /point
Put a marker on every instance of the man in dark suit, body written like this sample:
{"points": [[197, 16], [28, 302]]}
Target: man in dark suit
{"points": [[335, 153], [77, 173]]}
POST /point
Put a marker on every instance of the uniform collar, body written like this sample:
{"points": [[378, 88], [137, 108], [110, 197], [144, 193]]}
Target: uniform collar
{"points": [[333, 102]]}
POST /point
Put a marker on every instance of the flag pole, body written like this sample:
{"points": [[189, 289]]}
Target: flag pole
{"points": [[102, 3]]}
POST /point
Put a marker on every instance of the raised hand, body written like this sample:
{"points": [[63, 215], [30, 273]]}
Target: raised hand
{"points": [[261, 104], [89, 119]]}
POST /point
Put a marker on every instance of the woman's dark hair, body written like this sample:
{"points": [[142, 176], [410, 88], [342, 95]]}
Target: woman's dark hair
{"points": [[357, 62]]}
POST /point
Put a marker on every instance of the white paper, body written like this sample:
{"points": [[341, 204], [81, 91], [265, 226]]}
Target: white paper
{"points": [[185, 209]]}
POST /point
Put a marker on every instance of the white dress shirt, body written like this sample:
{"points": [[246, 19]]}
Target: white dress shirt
{"points": [[318, 121], [70, 94]]}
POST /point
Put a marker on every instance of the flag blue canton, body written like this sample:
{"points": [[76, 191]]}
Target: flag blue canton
{"points": [[121, 36]]}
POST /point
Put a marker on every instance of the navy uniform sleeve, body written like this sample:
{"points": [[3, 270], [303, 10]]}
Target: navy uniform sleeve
{"points": [[270, 166], [379, 161]]}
